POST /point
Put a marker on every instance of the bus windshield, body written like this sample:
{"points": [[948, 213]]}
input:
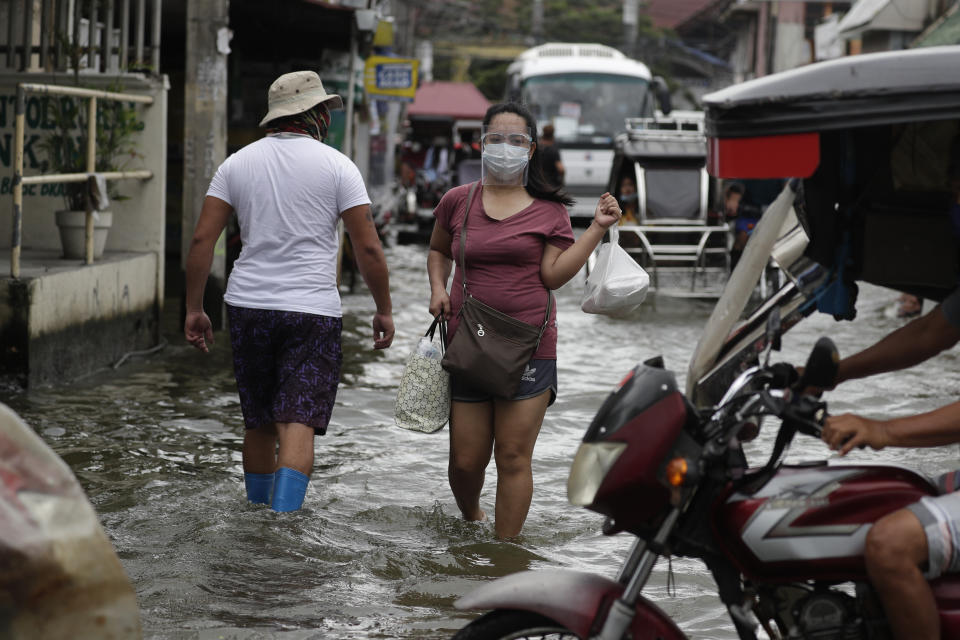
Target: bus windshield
{"points": [[586, 107]]}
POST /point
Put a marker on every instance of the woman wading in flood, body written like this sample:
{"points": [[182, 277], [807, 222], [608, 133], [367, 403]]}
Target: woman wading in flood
{"points": [[520, 246]]}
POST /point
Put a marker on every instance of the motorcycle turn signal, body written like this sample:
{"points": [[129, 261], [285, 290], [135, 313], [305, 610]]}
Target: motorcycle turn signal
{"points": [[681, 472]]}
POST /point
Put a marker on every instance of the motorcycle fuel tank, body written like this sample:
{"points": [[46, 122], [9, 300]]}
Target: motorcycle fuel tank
{"points": [[809, 522]]}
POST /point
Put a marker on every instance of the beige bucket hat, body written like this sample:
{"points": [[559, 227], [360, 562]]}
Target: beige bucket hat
{"points": [[296, 92]]}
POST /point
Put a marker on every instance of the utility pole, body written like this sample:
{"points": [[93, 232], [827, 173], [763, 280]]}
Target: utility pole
{"points": [[205, 131], [630, 20], [761, 66], [351, 83], [537, 22]]}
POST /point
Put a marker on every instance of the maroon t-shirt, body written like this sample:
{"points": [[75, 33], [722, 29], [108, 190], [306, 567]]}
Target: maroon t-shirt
{"points": [[503, 258]]}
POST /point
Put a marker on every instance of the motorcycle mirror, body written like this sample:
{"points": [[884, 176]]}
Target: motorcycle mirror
{"points": [[821, 368]]}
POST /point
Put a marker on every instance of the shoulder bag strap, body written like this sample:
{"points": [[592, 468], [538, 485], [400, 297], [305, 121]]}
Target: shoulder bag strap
{"points": [[546, 318], [463, 239], [463, 262]]}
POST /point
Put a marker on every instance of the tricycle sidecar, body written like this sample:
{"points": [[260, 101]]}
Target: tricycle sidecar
{"points": [[671, 226], [871, 144]]}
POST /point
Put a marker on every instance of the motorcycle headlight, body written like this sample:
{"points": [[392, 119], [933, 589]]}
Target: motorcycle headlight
{"points": [[590, 466]]}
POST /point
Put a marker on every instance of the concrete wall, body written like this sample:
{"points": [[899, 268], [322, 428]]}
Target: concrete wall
{"points": [[74, 320], [791, 48], [103, 291]]}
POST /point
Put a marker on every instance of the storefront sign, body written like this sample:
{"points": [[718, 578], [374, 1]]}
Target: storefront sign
{"points": [[390, 78]]}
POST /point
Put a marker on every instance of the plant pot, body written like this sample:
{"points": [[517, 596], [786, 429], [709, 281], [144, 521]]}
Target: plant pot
{"points": [[72, 225]]}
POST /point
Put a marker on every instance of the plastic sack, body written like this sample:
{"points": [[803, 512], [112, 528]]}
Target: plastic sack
{"points": [[60, 578], [617, 285], [423, 397]]}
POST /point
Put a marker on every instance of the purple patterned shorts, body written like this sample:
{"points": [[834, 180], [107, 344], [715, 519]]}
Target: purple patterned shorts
{"points": [[287, 366]]}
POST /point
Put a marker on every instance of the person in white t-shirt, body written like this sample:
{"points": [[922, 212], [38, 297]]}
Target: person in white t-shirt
{"points": [[289, 191]]}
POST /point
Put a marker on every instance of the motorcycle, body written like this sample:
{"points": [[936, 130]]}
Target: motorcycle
{"points": [[784, 543]]}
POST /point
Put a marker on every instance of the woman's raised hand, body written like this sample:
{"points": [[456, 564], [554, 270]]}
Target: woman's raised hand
{"points": [[608, 211]]}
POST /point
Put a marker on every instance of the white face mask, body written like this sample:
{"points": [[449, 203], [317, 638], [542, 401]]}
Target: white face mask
{"points": [[505, 162]]}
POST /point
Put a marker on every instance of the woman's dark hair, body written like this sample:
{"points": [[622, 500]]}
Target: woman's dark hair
{"points": [[537, 185]]}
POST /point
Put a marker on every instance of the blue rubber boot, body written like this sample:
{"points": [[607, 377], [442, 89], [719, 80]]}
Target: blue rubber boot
{"points": [[289, 487], [259, 487]]}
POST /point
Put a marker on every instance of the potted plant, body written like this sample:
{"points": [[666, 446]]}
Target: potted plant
{"points": [[66, 151]]}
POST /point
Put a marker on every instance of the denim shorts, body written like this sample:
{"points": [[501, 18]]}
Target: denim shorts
{"points": [[539, 376], [940, 517], [287, 366]]}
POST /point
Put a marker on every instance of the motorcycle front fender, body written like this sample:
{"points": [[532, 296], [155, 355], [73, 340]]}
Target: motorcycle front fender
{"points": [[572, 598]]}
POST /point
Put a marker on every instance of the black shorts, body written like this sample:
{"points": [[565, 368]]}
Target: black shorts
{"points": [[287, 366], [539, 376]]}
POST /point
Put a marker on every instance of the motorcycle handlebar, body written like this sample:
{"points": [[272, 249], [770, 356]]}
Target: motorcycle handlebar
{"points": [[810, 417], [807, 411], [807, 414], [782, 396], [785, 375]]}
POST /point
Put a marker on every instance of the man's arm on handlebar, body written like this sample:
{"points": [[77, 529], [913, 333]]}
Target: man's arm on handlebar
{"points": [[932, 429]]}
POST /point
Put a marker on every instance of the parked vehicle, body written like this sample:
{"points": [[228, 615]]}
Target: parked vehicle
{"points": [[869, 141], [674, 229], [388, 203], [425, 185], [440, 147], [585, 91], [869, 144]]}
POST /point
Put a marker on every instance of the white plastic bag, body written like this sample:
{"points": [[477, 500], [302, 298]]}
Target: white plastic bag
{"points": [[617, 285]]}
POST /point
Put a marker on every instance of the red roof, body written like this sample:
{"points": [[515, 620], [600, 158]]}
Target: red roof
{"points": [[457, 100], [673, 13]]}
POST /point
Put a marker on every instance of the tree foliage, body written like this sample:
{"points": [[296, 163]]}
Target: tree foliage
{"points": [[490, 77], [510, 22], [598, 21]]}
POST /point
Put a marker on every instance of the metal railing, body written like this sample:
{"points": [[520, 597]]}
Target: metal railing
{"points": [[109, 36], [19, 180], [678, 125]]}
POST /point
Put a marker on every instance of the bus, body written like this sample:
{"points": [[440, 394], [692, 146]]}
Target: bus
{"points": [[586, 91]]}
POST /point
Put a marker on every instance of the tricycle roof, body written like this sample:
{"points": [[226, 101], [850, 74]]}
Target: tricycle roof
{"points": [[855, 91]]}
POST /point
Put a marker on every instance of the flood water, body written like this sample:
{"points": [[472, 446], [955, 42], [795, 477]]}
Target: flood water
{"points": [[379, 551]]}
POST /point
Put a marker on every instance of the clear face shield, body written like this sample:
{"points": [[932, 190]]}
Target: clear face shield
{"points": [[505, 155]]}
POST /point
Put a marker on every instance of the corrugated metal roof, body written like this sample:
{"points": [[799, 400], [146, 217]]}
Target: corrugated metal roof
{"points": [[674, 13], [457, 100], [854, 91]]}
